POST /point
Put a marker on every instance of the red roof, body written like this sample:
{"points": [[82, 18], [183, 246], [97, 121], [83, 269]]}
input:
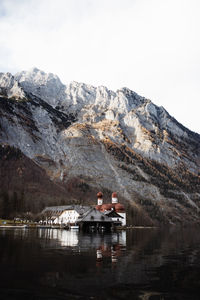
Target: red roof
{"points": [[119, 207], [105, 207], [98, 207]]}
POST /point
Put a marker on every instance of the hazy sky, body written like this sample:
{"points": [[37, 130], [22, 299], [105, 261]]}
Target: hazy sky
{"points": [[149, 46]]}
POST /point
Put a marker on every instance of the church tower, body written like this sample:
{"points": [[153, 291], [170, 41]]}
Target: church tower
{"points": [[99, 198]]}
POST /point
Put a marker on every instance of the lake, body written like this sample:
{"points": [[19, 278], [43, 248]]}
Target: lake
{"points": [[142, 264]]}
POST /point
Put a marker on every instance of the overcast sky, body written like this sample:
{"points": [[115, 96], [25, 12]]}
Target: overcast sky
{"points": [[149, 46]]}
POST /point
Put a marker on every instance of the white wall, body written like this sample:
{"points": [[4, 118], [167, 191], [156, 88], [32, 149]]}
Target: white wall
{"points": [[67, 216], [124, 218]]}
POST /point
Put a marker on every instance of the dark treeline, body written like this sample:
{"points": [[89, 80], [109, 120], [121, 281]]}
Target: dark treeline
{"points": [[13, 204]]}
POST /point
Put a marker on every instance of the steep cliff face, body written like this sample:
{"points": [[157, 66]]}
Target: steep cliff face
{"points": [[107, 140], [148, 128]]}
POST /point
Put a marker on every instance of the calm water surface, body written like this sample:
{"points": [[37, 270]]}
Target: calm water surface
{"points": [[135, 264]]}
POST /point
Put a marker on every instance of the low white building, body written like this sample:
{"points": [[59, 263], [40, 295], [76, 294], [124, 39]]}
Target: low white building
{"points": [[66, 214]]}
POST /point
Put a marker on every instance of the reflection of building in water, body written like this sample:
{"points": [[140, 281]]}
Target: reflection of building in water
{"points": [[70, 238], [64, 237], [113, 255], [119, 238], [99, 255], [106, 245], [113, 249]]}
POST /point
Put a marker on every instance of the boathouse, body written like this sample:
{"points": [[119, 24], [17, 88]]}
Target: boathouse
{"points": [[94, 220]]}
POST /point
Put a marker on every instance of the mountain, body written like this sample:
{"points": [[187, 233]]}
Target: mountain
{"points": [[89, 138]]}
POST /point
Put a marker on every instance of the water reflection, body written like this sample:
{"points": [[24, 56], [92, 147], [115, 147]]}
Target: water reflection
{"points": [[106, 245], [64, 238], [139, 264], [76, 239], [16, 233]]}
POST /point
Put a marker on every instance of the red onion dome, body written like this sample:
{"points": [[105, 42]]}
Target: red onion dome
{"points": [[99, 195], [119, 207], [114, 195]]}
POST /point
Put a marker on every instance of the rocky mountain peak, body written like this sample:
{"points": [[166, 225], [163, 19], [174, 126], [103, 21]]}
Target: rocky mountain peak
{"points": [[46, 86], [134, 99], [75, 95], [10, 87], [37, 76]]}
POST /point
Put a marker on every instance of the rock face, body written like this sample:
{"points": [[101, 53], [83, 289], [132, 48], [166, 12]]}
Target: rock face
{"points": [[99, 139]]}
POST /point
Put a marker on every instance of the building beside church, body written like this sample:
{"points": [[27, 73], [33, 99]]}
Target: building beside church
{"points": [[66, 214]]}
